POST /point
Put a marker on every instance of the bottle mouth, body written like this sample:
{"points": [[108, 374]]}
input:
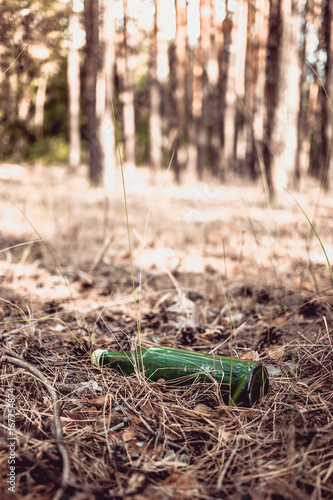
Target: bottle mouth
{"points": [[257, 386]]}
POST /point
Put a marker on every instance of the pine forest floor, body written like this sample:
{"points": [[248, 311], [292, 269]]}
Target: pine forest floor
{"points": [[209, 250]]}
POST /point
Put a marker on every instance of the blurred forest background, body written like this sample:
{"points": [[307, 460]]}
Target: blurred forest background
{"points": [[237, 87]]}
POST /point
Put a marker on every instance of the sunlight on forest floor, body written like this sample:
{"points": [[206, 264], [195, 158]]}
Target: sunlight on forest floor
{"points": [[191, 229], [187, 222]]}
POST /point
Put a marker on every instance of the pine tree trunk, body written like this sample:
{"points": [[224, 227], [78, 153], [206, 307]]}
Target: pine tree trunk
{"points": [[301, 134], [91, 16], [239, 152], [179, 65], [330, 94], [251, 76], [218, 124], [197, 136], [260, 108], [181, 62], [105, 91], [326, 111], [230, 94], [213, 106], [155, 100], [40, 101], [73, 84], [128, 97], [283, 97]]}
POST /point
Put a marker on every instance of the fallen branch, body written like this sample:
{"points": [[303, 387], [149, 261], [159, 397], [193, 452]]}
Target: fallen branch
{"points": [[56, 417]]}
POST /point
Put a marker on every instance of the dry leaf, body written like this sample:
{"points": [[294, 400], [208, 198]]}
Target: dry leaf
{"points": [[99, 400], [129, 434], [93, 411], [147, 411], [275, 352], [136, 420], [206, 411], [248, 355], [69, 421], [207, 335], [279, 320], [223, 435], [202, 409]]}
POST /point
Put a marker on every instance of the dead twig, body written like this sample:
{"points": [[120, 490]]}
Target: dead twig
{"points": [[58, 434]]}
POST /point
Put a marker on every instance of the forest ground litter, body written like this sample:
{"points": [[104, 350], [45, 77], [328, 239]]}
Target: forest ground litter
{"points": [[129, 439]]}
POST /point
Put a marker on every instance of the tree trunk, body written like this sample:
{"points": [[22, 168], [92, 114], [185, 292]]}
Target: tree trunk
{"points": [[128, 97], [326, 111], [229, 96], [91, 16], [312, 113], [73, 83], [155, 100], [197, 136], [40, 101], [301, 134], [271, 89], [251, 77], [260, 105], [119, 78], [105, 89], [214, 87], [330, 94], [222, 34], [241, 44], [179, 65], [232, 78], [283, 97]]}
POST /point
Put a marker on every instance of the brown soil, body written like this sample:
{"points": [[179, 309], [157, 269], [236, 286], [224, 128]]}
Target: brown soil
{"points": [[211, 253]]}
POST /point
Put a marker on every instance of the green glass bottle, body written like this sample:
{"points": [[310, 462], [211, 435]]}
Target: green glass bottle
{"points": [[244, 381]]}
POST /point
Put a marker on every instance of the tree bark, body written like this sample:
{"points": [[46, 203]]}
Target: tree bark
{"points": [[179, 66], [283, 75], [214, 88], [155, 100], [197, 135], [40, 101], [222, 34], [301, 133], [251, 77], [73, 84], [105, 89], [128, 97], [325, 96], [260, 107], [91, 16], [235, 83]]}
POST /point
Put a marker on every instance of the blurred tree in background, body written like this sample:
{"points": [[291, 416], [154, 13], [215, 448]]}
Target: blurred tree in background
{"points": [[33, 101], [74, 86], [231, 87]]}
